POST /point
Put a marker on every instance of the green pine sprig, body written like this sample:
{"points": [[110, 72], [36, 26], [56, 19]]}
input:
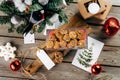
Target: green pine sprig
{"points": [[9, 8], [5, 19]]}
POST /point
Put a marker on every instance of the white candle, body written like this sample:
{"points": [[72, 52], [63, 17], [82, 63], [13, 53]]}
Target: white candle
{"points": [[93, 8]]}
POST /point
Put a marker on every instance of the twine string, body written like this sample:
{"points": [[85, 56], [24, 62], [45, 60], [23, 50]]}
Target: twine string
{"points": [[23, 58]]}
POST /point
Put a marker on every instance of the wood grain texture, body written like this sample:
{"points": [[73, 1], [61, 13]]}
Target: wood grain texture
{"points": [[59, 72], [109, 57]]}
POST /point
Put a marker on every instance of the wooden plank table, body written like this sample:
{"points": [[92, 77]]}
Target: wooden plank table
{"points": [[109, 57]]}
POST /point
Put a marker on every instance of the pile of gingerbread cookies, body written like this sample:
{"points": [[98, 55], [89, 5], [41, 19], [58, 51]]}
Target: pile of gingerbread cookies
{"points": [[66, 39]]}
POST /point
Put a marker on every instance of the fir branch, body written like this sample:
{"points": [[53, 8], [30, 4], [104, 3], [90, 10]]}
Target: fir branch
{"points": [[7, 7], [20, 29], [34, 1], [5, 19], [36, 7], [68, 1], [62, 16], [41, 27], [47, 21], [12, 28], [52, 5]]}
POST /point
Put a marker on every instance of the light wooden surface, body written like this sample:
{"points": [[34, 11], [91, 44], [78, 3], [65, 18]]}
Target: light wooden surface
{"points": [[109, 57]]}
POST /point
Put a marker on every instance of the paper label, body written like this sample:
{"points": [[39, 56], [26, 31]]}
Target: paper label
{"points": [[88, 56], [45, 59], [29, 38]]}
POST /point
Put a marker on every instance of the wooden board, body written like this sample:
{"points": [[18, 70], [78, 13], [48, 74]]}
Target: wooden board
{"points": [[109, 57]]}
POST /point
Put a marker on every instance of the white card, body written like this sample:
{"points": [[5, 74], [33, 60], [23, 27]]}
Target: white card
{"points": [[29, 38], [45, 59], [94, 48]]}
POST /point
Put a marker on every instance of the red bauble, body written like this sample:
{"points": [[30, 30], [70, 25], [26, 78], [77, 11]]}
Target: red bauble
{"points": [[15, 65], [111, 26], [96, 69]]}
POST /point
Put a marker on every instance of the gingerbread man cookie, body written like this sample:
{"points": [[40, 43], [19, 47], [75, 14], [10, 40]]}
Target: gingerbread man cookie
{"points": [[7, 51]]}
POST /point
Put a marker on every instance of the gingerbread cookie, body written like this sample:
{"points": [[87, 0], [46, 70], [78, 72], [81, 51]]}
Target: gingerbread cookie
{"points": [[81, 43], [49, 44], [66, 37], [58, 35], [72, 43], [63, 43], [63, 39], [56, 45], [63, 31], [72, 34]]}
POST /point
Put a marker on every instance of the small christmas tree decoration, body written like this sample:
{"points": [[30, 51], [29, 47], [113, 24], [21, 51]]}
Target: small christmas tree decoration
{"points": [[96, 69], [15, 20], [15, 65], [111, 26], [86, 57]]}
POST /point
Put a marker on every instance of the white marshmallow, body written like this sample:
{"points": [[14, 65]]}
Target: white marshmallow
{"points": [[93, 8]]}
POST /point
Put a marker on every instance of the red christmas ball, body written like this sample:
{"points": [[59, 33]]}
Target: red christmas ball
{"points": [[96, 69], [15, 65], [111, 26]]}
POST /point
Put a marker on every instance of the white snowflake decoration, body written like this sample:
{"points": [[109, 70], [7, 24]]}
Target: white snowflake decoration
{"points": [[7, 51]]}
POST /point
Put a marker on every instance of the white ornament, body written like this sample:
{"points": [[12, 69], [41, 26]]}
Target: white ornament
{"points": [[7, 51], [22, 7], [93, 8], [28, 2], [43, 2], [17, 2], [15, 20], [64, 2]]}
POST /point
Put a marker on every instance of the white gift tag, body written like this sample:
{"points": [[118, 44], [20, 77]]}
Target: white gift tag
{"points": [[45, 59], [29, 38]]}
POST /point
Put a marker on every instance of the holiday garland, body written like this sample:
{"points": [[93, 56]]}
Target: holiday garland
{"points": [[23, 9]]}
